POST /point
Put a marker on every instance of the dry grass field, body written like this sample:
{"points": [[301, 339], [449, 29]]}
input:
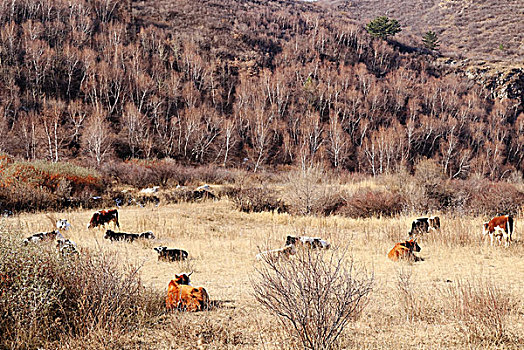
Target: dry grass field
{"points": [[412, 306]]}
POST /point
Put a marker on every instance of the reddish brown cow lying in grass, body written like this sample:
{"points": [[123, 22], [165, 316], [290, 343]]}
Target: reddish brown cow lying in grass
{"points": [[182, 296], [404, 251]]}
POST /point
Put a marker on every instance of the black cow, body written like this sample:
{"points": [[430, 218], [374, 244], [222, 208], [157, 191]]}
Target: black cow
{"points": [[171, 254], [130, 237], [424, 225]]}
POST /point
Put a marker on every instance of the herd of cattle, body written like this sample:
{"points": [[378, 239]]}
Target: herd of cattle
{"points": [[182, 296], [499, 228]]}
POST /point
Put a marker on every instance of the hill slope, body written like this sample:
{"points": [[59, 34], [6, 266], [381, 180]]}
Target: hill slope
{"points": [[476, 29]]}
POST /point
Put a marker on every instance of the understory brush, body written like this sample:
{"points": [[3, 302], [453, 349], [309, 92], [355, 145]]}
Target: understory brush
{"points": [[45, 296]]}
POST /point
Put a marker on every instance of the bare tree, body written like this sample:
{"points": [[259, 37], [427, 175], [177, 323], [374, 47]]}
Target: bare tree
{"points": [[317, 293], [4, 129], [96, 138], [337, 142]]}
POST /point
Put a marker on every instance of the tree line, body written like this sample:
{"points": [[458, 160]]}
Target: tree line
{"points": [[272, 85]]}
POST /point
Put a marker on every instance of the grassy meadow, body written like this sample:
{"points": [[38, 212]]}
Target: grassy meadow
{"points": [[411, 305]]}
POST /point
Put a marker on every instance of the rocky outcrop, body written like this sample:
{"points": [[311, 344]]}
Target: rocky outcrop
{"points": [[501, 80]]}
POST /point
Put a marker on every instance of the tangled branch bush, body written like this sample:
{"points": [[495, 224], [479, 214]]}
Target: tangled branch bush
{"points": [[256, 200], [45, 296], [367, 203], [480, 309], [317, 293], [309, 192]]}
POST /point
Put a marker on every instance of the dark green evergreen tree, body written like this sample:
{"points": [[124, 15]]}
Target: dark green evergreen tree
{"points": [[431, 41], [383, 27]]}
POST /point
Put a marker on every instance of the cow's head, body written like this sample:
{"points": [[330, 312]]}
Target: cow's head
{"points": [[183, 278], [95, 220], [62, 224], [160, 249], [147, 235], [412, 245], [291, 240], [485, 228], [109, 233]]}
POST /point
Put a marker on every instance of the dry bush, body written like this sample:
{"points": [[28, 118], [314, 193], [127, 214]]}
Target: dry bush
{"points": [[315, 294], [31, 186], [428, 191], [256, 200], [47, 296], [486, 197], [367, 203], [481, 309], [310, 191], [185, 194]]}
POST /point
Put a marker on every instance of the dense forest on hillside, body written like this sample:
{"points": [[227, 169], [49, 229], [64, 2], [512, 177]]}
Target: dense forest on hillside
{"points": [[237, 83]]}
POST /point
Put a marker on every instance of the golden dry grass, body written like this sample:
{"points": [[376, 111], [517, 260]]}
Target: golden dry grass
{"points": [[222, 244]]}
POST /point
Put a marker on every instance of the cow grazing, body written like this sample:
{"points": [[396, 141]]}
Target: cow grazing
{"points": [[274, 254], [310, 242], [404, 251], [182, 296], [103, 217], [500, 227], [424, 225], [171, 254], [41, 237]]}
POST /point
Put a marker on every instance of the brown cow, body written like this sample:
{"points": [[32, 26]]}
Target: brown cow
{"points": [[103, 217], [404, 251], [500, 227], [182, 296]]}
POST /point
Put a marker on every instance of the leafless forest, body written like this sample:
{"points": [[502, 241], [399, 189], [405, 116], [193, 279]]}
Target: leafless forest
{"points": [[257, 85]]}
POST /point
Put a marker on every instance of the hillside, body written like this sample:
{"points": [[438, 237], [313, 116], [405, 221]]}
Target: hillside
{"points": [[245, 83], [475, 29]]}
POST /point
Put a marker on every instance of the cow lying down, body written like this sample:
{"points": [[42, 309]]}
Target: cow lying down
{"points": [[310, 242], [404, 251], [41, 237], [171, 254], [182, 296], [129, 237], [274, 254], [65, 246], [61, 224]]}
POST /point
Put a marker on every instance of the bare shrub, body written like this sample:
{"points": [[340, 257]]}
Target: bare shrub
{"points": [[256, 200], [367, 203], [309, 191], [186, 194], [480, 309], [47, 296], [314, 294]]}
